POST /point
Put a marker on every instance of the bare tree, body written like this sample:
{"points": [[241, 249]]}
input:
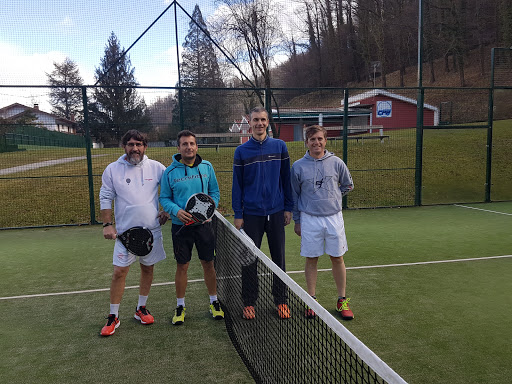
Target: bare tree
{"points": [[251, 32], [161, 117]]}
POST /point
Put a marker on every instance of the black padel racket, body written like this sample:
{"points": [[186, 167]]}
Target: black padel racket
{"points": [[201, 207], [137, 240]]}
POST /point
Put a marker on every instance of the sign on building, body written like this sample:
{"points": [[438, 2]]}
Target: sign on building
{"points": [[384, 108]]}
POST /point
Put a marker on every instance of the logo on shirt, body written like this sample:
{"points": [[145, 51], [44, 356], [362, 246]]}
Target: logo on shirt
{"points": [[320, 182], [128, 181]]}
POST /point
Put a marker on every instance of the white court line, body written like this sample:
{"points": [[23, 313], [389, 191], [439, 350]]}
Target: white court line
{"points": [[485, 210], [86, 291], [289, 273], [47, 163]]}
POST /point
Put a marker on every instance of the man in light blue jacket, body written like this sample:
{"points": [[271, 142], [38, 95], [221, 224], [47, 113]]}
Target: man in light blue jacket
{"points": [[319, 181], [189, 174]]}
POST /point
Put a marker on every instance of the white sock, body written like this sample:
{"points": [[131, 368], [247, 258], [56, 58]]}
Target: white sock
{"points": [[114, 309], [142, 301], [180, 301], [213, 298]]}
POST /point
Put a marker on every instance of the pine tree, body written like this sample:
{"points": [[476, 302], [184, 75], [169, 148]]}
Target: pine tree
{"points": [[116, 106], [203, 110], [65, 94]]}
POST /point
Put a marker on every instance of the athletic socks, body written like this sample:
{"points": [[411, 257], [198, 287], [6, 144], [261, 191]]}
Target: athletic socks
{"points": [[142, 301], [180, 301], [114, 309], [213, 298]]}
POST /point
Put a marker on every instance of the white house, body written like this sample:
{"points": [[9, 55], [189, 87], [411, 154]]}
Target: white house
{"points": [[48, 120]]}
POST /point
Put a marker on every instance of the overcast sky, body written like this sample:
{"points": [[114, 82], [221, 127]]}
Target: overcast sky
{"points": [[36, 33]]}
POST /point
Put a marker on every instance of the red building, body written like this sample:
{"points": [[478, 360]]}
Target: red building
{"points": [[391, 110], [291, 122]]}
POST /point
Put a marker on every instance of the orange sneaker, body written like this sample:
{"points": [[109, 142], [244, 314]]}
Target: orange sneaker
{"points": [[283, 311], [111, 326], [344, 310], [309, 313], [249, 313], [143, 315]]}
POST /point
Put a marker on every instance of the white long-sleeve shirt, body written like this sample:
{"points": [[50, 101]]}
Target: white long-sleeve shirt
{"points": [[134, 191]]}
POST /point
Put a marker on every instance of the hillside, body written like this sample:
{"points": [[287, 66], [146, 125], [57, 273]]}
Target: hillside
{"points": [[472, 74], [466, 104]]}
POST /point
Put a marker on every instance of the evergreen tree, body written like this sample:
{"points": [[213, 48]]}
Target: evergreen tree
{"points": [[65, 94], [116, 106], [203, 110]]}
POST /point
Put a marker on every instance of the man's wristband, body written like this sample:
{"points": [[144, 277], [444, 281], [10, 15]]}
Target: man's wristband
{"points": [[107, 224]]}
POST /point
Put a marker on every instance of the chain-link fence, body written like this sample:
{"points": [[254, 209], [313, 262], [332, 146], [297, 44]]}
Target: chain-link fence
{"points": [[45, 182], [404, 146]]}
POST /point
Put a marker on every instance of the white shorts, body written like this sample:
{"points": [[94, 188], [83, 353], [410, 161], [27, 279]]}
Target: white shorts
{"points": [[123, 258], [322, 234]]}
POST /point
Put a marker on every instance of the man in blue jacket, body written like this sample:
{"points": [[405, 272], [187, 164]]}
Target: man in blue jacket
{"points": [[262, 201], [189, 174]]}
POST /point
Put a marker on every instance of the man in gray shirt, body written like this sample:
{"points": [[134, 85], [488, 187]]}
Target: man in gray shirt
{"points": [[319, 181]]}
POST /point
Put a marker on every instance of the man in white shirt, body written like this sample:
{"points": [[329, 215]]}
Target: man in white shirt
{"points": [[132, 183]]}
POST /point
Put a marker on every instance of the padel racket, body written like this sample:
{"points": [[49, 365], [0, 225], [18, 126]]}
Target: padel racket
{"points": [[201, 206], [137, 240]]}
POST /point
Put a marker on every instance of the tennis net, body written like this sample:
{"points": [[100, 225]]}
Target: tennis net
{"points": [[295, 350]]}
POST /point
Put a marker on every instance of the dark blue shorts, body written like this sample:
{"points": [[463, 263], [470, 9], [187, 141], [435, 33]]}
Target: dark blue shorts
{"points": [[200, 235]]}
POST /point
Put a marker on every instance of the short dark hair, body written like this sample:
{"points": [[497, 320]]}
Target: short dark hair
{"points": [[258, 110], [185, 133], [312, 129], [136, 135]]}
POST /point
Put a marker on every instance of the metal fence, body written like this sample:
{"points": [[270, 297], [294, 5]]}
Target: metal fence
{"points": [[459, 155]]}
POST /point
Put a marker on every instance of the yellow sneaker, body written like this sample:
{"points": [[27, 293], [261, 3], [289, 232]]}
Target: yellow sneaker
{"points": [[216, 310], [179, 315]]}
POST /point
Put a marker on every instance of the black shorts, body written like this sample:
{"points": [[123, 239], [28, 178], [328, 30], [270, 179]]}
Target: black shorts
{"points": [[200, 235]]}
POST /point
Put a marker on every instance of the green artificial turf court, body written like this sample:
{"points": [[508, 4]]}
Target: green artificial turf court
{"points": [[430, 320]]}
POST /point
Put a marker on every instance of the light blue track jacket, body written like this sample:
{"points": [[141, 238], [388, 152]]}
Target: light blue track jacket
{"points": [[181, 181], [319, 184]]}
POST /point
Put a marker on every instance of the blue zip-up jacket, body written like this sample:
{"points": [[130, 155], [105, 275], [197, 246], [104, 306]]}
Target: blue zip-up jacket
{"points": [[261, 178], [181, 181]]}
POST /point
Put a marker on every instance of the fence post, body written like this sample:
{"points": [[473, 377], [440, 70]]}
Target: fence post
{"points": [[345, 137], [419, 110], [419, 146], [490, 122], [88, 145]]}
